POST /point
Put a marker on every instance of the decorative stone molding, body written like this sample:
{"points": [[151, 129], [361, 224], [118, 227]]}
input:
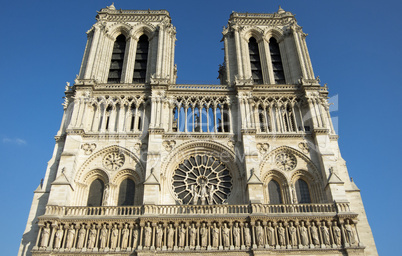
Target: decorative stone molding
{"points": [[88, 148], [169, 144], [304, 147], [263, 148]]}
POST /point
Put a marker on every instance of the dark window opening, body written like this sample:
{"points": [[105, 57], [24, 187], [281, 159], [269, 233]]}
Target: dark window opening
{"points": [[95, 195], [126, 192], [302, 192], [277, 66], [141, 60], [274, 192], [255, 62], [116, 65]]}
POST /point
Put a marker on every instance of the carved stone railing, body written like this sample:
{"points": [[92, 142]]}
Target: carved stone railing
{"points": [[222, 209], [293, 208]]}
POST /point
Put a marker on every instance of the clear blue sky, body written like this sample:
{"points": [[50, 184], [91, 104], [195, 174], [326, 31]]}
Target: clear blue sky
{"points": [[355, 47]]}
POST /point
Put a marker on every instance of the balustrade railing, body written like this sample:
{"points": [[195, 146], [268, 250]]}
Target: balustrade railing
{"points": [[161, 210]]}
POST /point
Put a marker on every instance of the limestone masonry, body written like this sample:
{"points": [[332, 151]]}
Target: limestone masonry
{"points": [[145, 166]]}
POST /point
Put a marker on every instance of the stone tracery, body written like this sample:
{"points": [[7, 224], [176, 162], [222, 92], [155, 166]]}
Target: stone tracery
{"points": [[202, 179]]}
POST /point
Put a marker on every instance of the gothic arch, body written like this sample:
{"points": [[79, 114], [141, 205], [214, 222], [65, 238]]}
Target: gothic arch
{"points": [[268, 164], [275, 33], [209, 148], [315, 188], [118, 29], [282, 181], [141, 29], [91, 164], [255, 32], [128, 174], [95, 174]]}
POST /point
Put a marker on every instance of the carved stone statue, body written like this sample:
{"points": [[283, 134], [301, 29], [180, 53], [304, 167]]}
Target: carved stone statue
{"points": [[124, 237], [303, 235], [182, 235], [337, 234], [204, 235], [281, 235], [226, 235], [211, 194], [159, 236], [195, 194], [236, 235], [350, 235], [170, 237], [70, 237], [203, 191], [92, 237], [193, 235], [314, 234], [271, 234], [247, 235], [114, 237], [105, 196], [45, 237], [81, 237], [293, 234], [135, 236], [215, 236], [58, 237], [147, 235], [325, 234], [103, 237], [259, 233]]}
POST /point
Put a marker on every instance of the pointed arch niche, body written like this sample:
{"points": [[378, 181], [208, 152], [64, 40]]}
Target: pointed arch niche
{"points": [[294, 175], [110, 177]]}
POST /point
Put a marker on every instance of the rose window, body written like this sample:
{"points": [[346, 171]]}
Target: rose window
{"points": [[202, 179], [113, 161], [286, 161]]}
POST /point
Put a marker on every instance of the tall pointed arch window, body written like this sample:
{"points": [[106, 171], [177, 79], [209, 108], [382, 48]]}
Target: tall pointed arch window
{"points": [[95, 195], [255, 61], [126, 192], [141, 60], [277, 66], [302, 192], [116, 65], [274, 192]]}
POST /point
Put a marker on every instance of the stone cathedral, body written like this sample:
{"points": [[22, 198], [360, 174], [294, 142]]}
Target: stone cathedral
{"points": [[145, 166]]}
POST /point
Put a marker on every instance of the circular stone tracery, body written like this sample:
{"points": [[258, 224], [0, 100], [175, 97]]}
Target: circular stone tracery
{"points": [[286, 161], [201, 179], [113, 161]]}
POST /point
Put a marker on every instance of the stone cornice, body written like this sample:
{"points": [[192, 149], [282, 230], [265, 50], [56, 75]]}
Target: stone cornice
{"points": [[110, 15], [281, 135], [262, 19], [207, 136]]}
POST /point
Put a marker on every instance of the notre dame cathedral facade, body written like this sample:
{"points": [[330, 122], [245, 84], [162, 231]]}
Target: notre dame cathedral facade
{"points": [[145, 166]]}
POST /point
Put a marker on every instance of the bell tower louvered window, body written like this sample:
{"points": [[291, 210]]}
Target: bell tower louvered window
{"points": [[116, 65], [141, 60], [277, 66], [255, 61]]}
